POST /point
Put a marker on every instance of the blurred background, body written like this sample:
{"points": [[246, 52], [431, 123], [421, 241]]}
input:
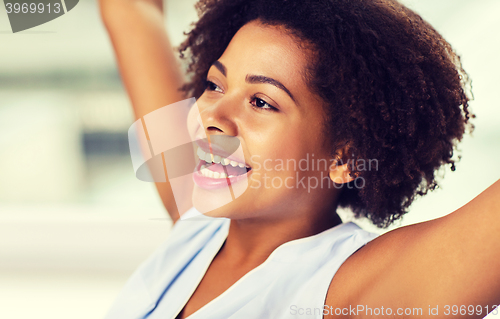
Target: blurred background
{"points": [[74, 221]]}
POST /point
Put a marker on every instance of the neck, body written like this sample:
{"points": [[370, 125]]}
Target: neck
{"points": [[251, 241]]}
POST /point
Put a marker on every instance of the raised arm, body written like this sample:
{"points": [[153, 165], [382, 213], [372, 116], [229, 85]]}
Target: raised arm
{"points": [[451, 263], [149, 69]]}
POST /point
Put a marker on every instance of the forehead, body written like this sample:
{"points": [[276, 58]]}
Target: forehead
{"points": [[268, 50]]}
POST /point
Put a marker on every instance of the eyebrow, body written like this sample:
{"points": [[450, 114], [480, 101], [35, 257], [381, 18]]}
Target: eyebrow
{"points": [[221, 67], [255, 79]]}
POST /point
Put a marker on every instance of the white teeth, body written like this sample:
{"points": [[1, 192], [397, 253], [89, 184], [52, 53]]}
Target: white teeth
{"points": [[211, 174], [210, 158], [200, 153]]}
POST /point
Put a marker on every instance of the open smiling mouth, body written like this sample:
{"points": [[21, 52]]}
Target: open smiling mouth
{"points": [[214, 171]]}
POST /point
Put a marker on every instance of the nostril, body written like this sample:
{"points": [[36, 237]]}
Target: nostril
{"points": [[213, 128]]}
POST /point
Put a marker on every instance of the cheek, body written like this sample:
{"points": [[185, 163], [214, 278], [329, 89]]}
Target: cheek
{"points": [[304, 147], [284, 140]]}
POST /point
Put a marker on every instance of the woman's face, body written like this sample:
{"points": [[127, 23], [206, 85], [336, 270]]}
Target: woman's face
{"points": [[257, 93]]}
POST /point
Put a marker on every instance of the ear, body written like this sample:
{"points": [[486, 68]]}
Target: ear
{"points": [[341, 173]]}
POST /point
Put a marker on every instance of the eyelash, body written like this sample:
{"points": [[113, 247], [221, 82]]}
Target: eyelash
{"points": [[269, 108], [211, 86]]}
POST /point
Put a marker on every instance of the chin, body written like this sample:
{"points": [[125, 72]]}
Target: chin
{"points": [[214, 200], [220, 202]]}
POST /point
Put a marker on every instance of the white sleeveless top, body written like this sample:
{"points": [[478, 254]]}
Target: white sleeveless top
{"points": [[291, 283]]}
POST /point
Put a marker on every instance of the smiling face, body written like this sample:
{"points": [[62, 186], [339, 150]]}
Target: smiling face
{"points": [[257, 93]]}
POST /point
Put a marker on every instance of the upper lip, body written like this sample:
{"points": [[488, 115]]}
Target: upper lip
{"points": [[218, 150]]}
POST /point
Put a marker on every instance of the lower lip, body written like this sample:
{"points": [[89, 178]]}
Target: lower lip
{"points": [[215, 183]]}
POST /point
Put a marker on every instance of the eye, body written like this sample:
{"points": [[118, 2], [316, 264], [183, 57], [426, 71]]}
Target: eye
{"points": [[211, 86], [261, 104]]}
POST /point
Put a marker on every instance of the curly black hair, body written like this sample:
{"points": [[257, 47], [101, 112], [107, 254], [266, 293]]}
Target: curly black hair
{"points": [[396, 91]]}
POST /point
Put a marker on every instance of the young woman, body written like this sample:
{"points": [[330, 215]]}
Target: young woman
{"points": [[365, 86]]}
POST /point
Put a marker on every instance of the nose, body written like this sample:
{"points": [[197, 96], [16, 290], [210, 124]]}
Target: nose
{"points": [[220, 117]]}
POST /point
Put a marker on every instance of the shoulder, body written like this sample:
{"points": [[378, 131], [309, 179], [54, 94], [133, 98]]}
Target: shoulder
{"points": [[376, 272]]}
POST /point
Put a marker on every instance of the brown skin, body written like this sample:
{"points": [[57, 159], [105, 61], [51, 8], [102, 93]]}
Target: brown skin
{"points": [[448, 261], [259, 227], [150, 72], [284, 133]]}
